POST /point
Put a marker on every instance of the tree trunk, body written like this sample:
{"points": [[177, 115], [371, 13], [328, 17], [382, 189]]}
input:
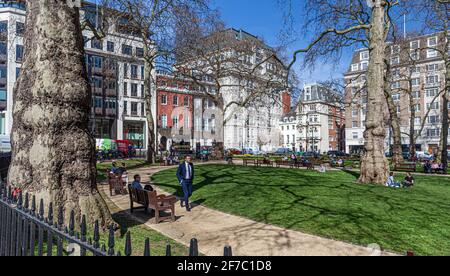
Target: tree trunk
{"points": [[53, 154], [148, 80], [374, 165], [443, 145], [412, 122], [395, 123]]}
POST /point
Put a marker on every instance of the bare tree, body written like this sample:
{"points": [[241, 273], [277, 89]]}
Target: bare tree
{"points": [[340, 24], [154, 23], [53, 152], [232, 68]]}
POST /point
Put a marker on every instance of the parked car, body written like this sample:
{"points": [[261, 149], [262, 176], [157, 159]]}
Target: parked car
{"points": [[311, 154], [424, 156], [283, 151], [235, 151], [248, 151], [336, 153]]}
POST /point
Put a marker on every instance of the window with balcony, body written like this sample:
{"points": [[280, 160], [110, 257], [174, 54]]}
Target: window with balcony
{"points": [[134, 109]]}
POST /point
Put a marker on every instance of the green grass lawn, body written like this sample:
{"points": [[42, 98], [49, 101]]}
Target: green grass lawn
{"points": [[331, 205]]}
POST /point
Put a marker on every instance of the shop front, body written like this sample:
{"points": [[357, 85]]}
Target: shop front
{"points": [[134, 131]]}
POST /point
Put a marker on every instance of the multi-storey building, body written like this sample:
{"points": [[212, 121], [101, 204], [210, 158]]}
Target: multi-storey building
{"points": [[185, 114], [115, 70], [318, 122], [247, 65], [417, 76]]}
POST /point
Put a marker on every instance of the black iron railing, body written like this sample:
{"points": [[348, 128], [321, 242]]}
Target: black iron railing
{"points": [[26, 231]]}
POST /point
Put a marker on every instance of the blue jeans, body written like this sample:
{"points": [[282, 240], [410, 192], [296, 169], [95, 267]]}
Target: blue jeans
{"points": [[187, 191]]}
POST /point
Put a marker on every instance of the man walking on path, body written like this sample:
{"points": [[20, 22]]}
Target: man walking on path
{"points": [[185, 175]]}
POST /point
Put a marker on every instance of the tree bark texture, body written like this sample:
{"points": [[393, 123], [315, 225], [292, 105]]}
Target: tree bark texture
{"points": [[53, 154]]}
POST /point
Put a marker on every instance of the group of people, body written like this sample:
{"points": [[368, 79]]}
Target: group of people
{"points": [[433, 167], [185, 175], [408, 182]]}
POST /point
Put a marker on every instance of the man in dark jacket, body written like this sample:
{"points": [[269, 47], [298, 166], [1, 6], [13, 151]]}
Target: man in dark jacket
{"points": [[185, 175]]}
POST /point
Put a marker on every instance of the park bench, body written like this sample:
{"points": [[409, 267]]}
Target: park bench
{"points": [[246, 162], [262, 162], [151, 200], [116, 184], [406, 167], [280, 163]]}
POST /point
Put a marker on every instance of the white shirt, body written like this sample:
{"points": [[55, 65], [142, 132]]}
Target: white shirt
{"points": [[188, 171]]}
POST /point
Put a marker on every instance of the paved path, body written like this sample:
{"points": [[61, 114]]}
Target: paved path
{"points": [[214, 229]]}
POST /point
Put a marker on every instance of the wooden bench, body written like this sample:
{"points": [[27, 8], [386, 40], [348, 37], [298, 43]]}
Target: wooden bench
{"points": [[406, 167], [151, 200], [280, 163], [116, 185], [246, 162]]}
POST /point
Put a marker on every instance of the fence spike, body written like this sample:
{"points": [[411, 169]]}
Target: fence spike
{"points": [[96, 235], [193, 248], [19, 201], [119, 254], [228, 251], [103, 248], [128, 251], [50, 214], [111, 242], [27, 202], [33, 205], [168, 250], [60, 218], [147, 248], [83, 227], [72, 223], [41, 209], [9, 194]]}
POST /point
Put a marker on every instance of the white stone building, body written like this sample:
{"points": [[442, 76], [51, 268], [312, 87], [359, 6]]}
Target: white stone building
{"points": [[115, 70]]}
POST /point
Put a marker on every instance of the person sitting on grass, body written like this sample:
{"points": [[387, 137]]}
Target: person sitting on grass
{"points": [[340, 163], [409, 181], [435, 167], [391, 182]]}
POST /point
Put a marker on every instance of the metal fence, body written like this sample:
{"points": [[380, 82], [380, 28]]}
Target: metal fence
{"points": [[25, 231]]}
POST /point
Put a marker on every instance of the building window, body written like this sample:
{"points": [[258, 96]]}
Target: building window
{"points": [[19, 53], [355, 124], [125, 107], [134, 71], [432, 41], [127, 50], [355, 135], [432, 67], [134, 109], [186, 101], [175, 100], [364, 65], [395, 85], [433, 119], [110, 46], [164, 121], [432, 79], [433, 106], [134, 90], [164, 99], [97, 62], [431, 92], [125, 88], [433, 132], [355, 67], [125, 70], [142, 91], [142, 109], [395, 60], [20, 28], [364, 55], [415, 54], [139, 52], [97, 44], [175, 122], [142, 72], [3, 49]]}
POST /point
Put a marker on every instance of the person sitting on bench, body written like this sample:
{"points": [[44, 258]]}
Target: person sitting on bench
{"points": [[138, 186], [391, 182], [427, 167], [409, 181]]}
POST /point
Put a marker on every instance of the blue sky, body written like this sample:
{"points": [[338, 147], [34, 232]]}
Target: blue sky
{"points": [[264, 19]]}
